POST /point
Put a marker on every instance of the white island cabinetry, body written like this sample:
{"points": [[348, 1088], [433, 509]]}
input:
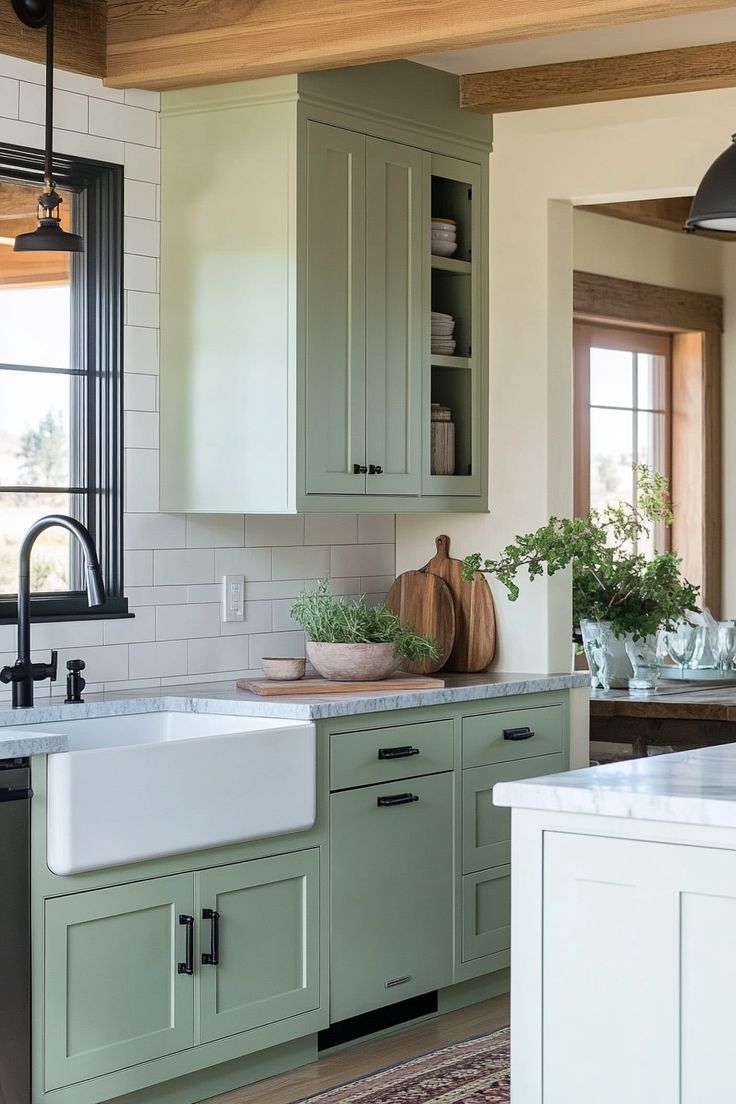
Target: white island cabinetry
{"points": [[624, 932]]}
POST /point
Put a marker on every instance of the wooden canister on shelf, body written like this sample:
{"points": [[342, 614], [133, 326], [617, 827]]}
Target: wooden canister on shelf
{"points": [[442, 441]]}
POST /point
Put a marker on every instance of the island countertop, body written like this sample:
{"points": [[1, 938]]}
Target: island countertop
{"points": [[16, 740], [686, 787]]}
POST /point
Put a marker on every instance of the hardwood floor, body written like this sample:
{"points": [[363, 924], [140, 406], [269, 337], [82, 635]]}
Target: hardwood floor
{"points": [[361, 1058]]}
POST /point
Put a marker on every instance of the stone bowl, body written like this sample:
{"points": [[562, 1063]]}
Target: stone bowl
{"points": [[282, 668], [353, 662]]}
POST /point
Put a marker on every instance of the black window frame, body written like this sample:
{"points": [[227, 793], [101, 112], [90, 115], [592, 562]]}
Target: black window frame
{"points": [[98, 324]]}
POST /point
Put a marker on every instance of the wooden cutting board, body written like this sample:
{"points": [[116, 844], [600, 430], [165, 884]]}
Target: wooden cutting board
{"points": [[424, 601], [272, 688], [475, 619]]}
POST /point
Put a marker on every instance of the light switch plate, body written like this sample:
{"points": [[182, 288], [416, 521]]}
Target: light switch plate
{"points": [[233, 597]]}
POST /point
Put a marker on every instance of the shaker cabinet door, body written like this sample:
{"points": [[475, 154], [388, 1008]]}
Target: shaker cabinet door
{"points": [[334, 391], [394, 226]]}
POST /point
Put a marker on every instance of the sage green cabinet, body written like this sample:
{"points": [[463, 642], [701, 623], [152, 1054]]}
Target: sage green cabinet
{"points": [[486, 917], [297, 288], [113, 993], [391, 893], [125, 983], [268, 926]]}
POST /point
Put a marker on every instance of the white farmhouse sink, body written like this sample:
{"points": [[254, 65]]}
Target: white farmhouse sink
{"points": [[143, 785]]}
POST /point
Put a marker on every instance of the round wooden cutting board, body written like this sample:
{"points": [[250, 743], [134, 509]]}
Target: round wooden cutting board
{"points": [[424, 602], [475, 618]]}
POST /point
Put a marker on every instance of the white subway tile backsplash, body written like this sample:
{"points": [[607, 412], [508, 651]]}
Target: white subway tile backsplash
{"points": [[363, 559], [204, 592], [141, 480], [22, 134], [301, 563], [140, 273], [140, 199], [141, 428], [168, 657], [275, 644], [144, 237], [188, 621], [86, 86], [138, 97], [66, 634], [139, 392], [70, 109], [185, 565], [20, 69], [131, 630], [102, 663], [215, 531], [141, 308], [376, 584], [376, 529], [140, 350], [330, 529], [88, 145], [142, 163], [9, 98], [221, 654], [137, 569], [157, 595], [258, 619], [121, 121], [254, 563], [282, 621], [155, 530], [269, 529], [278, 588]]}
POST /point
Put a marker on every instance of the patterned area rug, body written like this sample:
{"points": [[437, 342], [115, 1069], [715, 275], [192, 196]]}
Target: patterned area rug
{"points": [[473, 1072]]}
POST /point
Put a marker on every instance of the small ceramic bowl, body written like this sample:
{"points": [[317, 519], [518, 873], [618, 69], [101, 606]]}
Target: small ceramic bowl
{"points": [[444, 224], [282, 668], [444, 235], [443, 249]]}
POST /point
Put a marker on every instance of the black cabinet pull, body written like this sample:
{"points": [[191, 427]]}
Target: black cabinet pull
{"points": [[16, 795], [397, 752], [213, 957], [524, 733], [187, 967], [359, 469], [396, 799], [375, 469]]}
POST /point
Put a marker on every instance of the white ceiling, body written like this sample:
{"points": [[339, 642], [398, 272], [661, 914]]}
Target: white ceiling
{"points": [[630, 38]]}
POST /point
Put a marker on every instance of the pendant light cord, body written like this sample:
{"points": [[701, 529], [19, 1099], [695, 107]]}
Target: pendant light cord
{"points": [[48, 168]]}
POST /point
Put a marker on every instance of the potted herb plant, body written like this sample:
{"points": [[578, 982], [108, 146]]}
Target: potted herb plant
{"points": [[347, 639], [620, 598]]}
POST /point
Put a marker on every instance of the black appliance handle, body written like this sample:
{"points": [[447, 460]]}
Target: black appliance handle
{"points": [[16, 795], [187, 967], [212, 958]]}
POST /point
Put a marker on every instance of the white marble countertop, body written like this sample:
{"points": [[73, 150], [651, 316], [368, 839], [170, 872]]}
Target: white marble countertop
{"points": [[687, 787], [17, 740]]}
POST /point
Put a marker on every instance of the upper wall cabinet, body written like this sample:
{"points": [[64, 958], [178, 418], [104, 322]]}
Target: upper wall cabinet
{"points": [[300, 295]]}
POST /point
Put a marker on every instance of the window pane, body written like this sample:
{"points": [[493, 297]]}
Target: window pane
{"points": [[34, 429], [51, 568], [651, 440], [611, 457], [650, 381], [611, 377]]}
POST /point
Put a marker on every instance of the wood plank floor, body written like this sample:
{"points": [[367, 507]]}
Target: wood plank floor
{"points": [[362, 1058]]}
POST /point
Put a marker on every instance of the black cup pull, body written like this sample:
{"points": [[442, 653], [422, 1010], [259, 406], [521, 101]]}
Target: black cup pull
{"points": [[397, 752], [213, 957], [359, 469], [187, 967], [396, 799], [375, 469], [524, 733]]}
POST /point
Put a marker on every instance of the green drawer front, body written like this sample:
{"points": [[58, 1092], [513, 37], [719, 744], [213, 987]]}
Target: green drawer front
{"points": [[484, 740], [487, 828], [487, 913], [356, 757]]}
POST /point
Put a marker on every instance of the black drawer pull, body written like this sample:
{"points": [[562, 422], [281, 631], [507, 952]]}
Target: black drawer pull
{"points": [[397, 752], [524, 733], [396, 799], [187, 967], [212, 958]]}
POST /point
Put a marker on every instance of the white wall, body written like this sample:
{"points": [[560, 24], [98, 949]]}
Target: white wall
{"points": [[173, 562], [544, 162]]}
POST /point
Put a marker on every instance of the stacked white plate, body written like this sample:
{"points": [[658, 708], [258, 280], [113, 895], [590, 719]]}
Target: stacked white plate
{"points": [[444, 237], [443, 327]]}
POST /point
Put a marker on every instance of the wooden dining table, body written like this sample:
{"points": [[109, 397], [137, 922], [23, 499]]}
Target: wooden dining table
{"points": [[679, 714]]}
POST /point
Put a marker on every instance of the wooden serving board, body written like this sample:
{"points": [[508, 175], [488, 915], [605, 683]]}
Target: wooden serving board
{"points": [[475, 618], [271, 688], [425, 603]]}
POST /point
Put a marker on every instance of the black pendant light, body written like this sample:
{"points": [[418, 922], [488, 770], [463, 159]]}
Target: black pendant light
{"points": [[714, 205], [48, 235]]}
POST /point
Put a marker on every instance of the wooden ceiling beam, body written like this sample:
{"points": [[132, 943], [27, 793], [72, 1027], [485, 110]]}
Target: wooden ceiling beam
{"points": [[659, 73], [159, 44], [79, 36]]}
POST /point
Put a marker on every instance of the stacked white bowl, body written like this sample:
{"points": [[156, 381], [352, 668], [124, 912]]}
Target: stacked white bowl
{"points": [[444, 237], [443, 327]]}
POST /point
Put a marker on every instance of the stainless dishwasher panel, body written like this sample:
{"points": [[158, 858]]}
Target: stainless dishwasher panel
{"points": [[15, 936]]}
